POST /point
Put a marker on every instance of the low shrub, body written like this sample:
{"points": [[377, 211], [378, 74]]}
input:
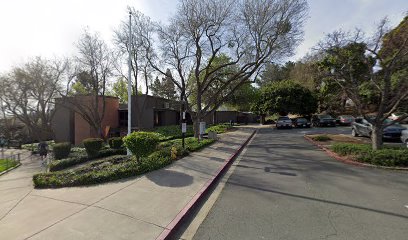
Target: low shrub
{"points": [[141, 144], [321, 138], [219, 128], [191, 143], [105, 170], [92, 146], [61, 150], [79, 158], [390, 156], [350, 148], [173, 132], [115, 142], [386, 157]]}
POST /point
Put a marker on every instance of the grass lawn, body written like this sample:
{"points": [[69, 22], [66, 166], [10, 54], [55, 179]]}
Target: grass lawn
{"points": [[7, 164]]}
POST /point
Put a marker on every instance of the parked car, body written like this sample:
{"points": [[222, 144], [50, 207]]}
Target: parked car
{"points": [[323, 121], [283, 122], [300, 123], [361, 127], [397, 115], [404, 136], [345, 120]]}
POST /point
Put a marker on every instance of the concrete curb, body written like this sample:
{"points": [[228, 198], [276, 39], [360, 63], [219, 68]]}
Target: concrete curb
{"points": [[8, 170], [172, 226], [348, 160]]}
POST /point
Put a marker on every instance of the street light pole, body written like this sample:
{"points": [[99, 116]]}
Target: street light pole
{"points": [[130, 78]]}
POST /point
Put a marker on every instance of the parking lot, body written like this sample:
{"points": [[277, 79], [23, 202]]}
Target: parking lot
{"points": [[346, 130]]}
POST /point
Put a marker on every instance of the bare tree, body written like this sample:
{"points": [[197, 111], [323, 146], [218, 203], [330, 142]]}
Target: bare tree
{"points": [[94, 65], [250, 32], [142, 35], [376, 65], [28, 93]]}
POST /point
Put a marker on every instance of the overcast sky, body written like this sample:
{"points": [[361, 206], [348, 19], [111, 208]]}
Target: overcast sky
{"points": [[51, 27]]}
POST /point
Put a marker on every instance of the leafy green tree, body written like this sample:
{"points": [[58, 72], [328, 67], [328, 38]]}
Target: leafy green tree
{"points": [[275, 72], [285, 97], [243, 98], [164, 88], [368, 73], [119, 89]]}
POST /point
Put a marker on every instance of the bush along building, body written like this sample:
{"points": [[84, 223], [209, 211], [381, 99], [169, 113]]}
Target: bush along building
{"points": [[69, 123]]}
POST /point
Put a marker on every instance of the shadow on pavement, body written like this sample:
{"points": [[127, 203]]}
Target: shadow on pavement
{"points": [[169, 178]]}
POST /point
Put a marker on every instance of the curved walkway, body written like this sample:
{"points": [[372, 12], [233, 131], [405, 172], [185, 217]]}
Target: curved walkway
{"points": [[136, 208]]}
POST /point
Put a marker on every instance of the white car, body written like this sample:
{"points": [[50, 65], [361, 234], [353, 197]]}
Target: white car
{"points": [[397, 115], [283, 122]]}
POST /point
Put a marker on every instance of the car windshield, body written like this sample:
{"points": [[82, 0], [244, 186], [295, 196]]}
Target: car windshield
{"points": [[388, 121], [325, 116], [346, 116], [283, 118], [301, 120]]}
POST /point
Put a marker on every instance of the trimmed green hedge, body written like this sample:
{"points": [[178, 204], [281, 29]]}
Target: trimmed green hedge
{"points": [[115, 142], [191, 143], [172, 132], [219, 128], [93, 146], [141, 144], [118, 167], [61, 150], [105, 170], [79, 158], [388, 156]]}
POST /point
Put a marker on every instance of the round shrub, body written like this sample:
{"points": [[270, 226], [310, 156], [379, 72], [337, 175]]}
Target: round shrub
{"points": [[93, 146], [115, 142], [61, 150], [141, 144]]}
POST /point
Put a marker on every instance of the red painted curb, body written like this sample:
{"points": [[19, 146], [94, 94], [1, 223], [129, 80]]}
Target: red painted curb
{"points": [[347, 160], [170, 228]]}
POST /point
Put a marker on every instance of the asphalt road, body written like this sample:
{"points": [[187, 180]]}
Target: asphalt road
{"points": [[285, 188]]}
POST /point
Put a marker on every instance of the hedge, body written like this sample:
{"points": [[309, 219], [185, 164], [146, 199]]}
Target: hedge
{"points": [[191, 143], [105, 170], [141, 144], [93, 146], [61, 150], [173, 132], [115, 142], [387, 156], [57, 165], [117, 167], [219, 128]]}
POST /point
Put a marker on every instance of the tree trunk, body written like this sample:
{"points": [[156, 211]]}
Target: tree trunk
{"points": [[262, 119], [376, 137]]}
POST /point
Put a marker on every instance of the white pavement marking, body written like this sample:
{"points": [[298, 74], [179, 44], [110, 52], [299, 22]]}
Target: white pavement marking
{"points": [[406, 206]]}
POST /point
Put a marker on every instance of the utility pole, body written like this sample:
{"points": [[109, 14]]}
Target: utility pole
{"points": [[130, 78]]}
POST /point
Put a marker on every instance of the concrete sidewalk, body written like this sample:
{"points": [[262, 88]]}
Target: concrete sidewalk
{"points": [[136, 208]]}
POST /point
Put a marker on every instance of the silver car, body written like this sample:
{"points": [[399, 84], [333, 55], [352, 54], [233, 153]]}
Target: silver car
{"points": [[283, 122], [404, 136]]}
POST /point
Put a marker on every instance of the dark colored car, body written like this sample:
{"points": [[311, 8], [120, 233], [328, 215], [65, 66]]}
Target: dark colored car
{"points": [[361, 127], [323, 121], [283, 122], [345, 120], [300, 123]]}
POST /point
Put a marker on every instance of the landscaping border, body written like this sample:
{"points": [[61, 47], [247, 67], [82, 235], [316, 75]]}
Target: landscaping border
{"points": [[171, 228], [347, 160]]}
